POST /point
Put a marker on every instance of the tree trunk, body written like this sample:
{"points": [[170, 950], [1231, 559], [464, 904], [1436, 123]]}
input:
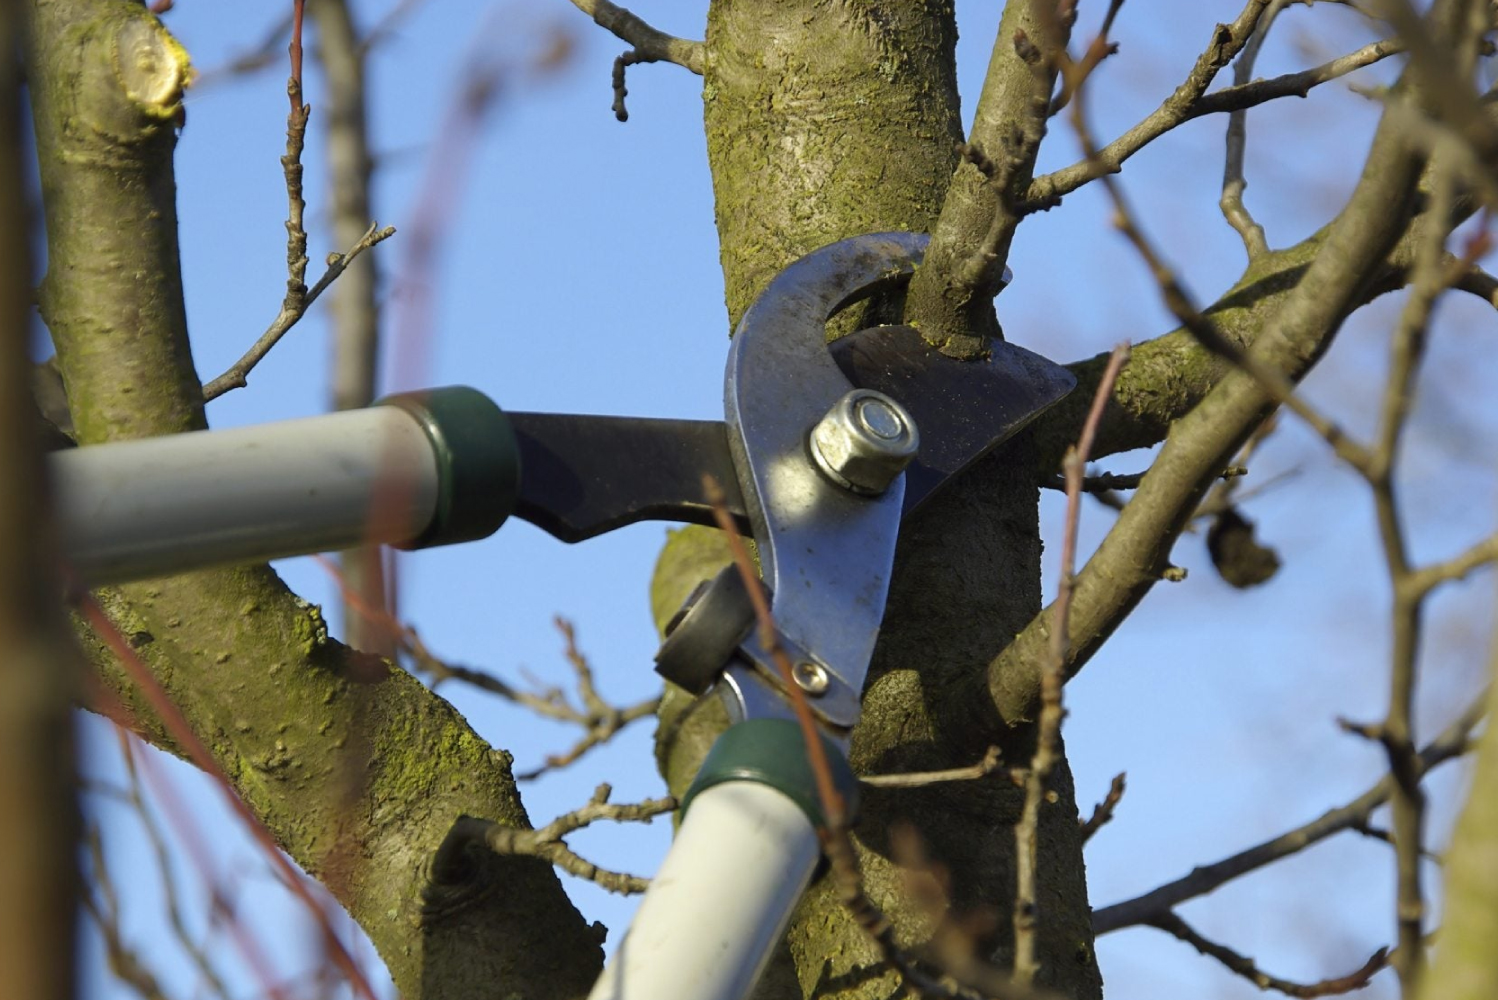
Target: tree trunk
{"points": [[825, 120]]}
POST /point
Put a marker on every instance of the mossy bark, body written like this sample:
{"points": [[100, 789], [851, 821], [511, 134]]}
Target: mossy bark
{"points": [[356, 768], [825, 120]]}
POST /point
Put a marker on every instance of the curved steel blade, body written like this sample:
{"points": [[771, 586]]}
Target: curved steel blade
{"points": [[825, 552]]}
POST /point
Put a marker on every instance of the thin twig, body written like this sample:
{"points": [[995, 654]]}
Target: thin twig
{"points": [[1190, 100], [917, 779], [1243, 966], [293, 308], [1027, 830], [1233, 181], [548, 844], [136, 800], [599, 720], [1429, 280], [1103, 814], [648, 45], [1450, 744], [123, 961]]}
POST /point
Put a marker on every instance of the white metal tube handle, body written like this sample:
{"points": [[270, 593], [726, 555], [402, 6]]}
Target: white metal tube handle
{"points": [[721, 900], [435, 467]]}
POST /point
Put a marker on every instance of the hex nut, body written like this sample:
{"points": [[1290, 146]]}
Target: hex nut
{"points": [[864, 442]]}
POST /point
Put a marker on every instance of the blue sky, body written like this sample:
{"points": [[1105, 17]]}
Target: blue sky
{"points": [[581, 275]]}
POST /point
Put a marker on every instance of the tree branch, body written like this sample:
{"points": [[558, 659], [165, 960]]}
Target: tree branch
{"points": [[1450, 744], [1202, 443], [293, 308], [649, 44], [950, 295], [1244, 966], [1190, 100]]}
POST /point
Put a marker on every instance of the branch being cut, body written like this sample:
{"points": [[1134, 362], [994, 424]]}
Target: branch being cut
{"points": [[950, 294]]}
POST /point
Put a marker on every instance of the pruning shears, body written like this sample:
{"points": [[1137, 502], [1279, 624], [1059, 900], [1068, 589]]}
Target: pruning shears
{"points": [[823, 451]]}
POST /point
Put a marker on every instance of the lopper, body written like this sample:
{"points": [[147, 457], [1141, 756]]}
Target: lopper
{"points": [[823, 451]]}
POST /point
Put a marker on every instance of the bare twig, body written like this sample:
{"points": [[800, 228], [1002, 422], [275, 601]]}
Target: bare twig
{"points": [[1243, 966], [1245, 95], [648, 45], [1098, 50], [916, 779], [1233, 181], [1026, 831], [1190, 100], [1450, 744], [1429, 280], [548, 844], [293, 308], [136, 801], [599, 720], [298, 297], [105, 912], [1103, 814]]}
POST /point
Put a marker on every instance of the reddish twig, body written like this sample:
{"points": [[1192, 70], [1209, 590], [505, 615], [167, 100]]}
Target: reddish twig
{"points": [[1026, 831]]}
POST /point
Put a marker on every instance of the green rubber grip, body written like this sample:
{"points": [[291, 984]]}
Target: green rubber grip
{"points": [[478, 462], [773, 752]]}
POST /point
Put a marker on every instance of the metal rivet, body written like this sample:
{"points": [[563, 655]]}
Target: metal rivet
{"points": [[810, 677]]}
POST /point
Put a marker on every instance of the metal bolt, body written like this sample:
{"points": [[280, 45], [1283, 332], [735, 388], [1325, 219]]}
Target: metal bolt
{"points": [[810, 677], [864, 441]]}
